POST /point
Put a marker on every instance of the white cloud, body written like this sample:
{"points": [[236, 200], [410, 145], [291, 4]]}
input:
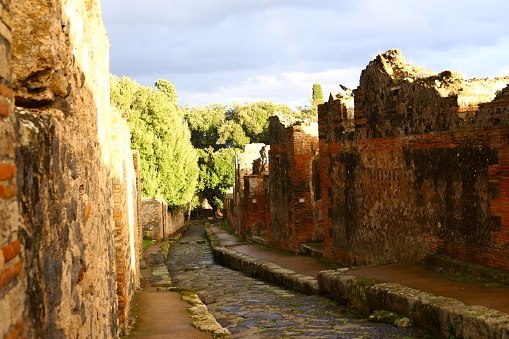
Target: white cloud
{"points": [[288, 87], [276, 49]]}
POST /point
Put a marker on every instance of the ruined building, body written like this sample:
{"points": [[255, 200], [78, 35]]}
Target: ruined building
{"points": [[70, 197], [294, 188], [423, 171], [411, 163], [247, 206]]}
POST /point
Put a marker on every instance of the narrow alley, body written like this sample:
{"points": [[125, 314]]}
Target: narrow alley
{"points": [[250, 308]]}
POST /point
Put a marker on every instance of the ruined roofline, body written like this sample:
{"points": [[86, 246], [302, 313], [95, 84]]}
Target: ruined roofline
{"points": [[289, 121], [470, 92]]}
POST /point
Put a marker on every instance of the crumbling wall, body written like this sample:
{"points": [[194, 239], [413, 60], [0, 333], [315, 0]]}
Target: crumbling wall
{"points": [[12, 255], [126, 195], [58, 269], [423, 170], [294, 185], [157, 222], [255, 206], [153, 218], [245, 163]]}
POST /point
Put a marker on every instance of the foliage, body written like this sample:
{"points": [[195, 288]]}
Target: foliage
{"points": [[204, 122], [253, 118], [146, 243], [220, 132], [169, 167], [217, 174], [317, 98]]}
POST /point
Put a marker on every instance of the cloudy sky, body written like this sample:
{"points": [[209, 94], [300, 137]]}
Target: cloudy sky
{"points": [[219, 51]]}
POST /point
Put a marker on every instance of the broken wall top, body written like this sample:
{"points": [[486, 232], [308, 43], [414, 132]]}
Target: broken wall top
{"points": [[447, 83], [395, 98], [281, 131]]}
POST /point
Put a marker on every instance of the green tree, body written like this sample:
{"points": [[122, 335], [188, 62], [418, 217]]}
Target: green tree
{"points": [[169, 162], [204, 122], [217, 174], [317, 98]]}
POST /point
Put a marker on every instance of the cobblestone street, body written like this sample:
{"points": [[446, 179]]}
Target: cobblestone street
{"points": [[250, 308]]}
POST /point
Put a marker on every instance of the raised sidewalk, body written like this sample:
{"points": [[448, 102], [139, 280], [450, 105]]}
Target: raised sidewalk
{"points": [[444, 307]]}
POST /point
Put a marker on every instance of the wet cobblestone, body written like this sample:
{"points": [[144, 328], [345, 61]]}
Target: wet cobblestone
{"points": [[250, 308]]}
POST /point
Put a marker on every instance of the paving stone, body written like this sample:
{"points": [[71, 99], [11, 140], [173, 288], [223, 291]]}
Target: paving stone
{"points": [[250, 308]]}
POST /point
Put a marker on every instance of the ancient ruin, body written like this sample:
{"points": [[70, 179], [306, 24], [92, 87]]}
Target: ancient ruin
{"points": [[411, 163], [408, 164], [70, 197]]}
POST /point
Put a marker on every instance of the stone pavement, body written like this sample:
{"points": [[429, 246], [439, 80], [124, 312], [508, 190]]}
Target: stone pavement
{"points": [[444, 307], [412, 276], [251, 308]]}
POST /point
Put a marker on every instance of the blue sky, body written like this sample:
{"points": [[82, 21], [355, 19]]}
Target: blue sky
{"points": [[244, 50]]}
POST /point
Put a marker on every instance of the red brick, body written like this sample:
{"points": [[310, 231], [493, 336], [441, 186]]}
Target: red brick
{"points": [[11, 250], [8, 191], [16, 333], [6, 92], [5, 109], [7, 171], [9, 274]]}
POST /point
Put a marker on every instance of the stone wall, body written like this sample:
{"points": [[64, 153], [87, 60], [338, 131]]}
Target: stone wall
{"points": [[158, 223], [255, 206], [12, 269], [60, 189], [154, 218], [245, 163], [128, 234], [294, 185], [422, 172]]}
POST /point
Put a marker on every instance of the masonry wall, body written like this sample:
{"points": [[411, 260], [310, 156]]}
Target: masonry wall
{"points": [[294, 185], [423, 171], [244, 167], [154, 218], [58, 261], [255, 205], [128, 234], [157, 222], [12, 255]]}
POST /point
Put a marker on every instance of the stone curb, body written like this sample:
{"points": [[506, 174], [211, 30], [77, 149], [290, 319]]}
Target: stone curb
{"points": [[203, 320], [448, 317], [261, 269], [160, 278]]}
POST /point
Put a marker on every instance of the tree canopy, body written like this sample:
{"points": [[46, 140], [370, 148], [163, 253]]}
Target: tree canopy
{"points": [[186, 150], [169, 162]]}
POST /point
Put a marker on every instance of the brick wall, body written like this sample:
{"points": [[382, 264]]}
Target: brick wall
{"points": [[12, 262], [244, 167], [294, 185], [255, 205], [422, 172]]}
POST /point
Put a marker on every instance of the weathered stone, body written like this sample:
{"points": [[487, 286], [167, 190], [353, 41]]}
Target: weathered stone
{"points": [[157, 222], [206, 297], [68, 185]]}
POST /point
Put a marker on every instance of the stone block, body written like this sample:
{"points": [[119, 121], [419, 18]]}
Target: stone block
{"points": [[206, 297]]}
